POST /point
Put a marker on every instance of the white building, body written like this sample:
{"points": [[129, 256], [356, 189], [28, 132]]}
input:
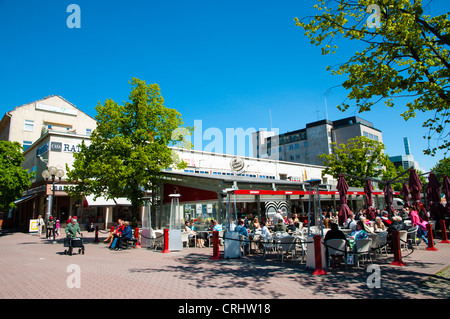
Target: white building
{"points": [[305, 145]]}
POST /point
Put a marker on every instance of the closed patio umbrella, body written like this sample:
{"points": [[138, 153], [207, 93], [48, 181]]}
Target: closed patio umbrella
{"points": [[446, 191], [415, 186], [344, 210], [405, 193], [434, 197], [368, 190], [389, 198]]}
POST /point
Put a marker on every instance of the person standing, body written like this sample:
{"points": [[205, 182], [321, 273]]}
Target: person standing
{"points": [[40, 224], [73, 229], [50, 228]]}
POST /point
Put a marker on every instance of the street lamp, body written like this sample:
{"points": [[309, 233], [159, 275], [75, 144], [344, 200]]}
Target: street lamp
{"points": [[52, 172]]}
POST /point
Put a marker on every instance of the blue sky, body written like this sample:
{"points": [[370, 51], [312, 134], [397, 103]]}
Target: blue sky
{"points": [[229, 64]]}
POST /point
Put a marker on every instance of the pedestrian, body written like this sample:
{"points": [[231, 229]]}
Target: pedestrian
{"points": [[50, 228], [40, 224], [73, 229], [57, 228]]}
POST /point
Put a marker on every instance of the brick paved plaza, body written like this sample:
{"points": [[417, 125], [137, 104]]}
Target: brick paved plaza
{"points": [[34, 267]]}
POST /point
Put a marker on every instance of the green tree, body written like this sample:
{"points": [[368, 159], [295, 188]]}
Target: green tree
{"points": [[404, 53], [361, 157], [442, 168], [129, 147], [13, 178]]}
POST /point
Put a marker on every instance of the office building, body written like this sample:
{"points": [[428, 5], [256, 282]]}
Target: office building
{"points": [[305, 145]]}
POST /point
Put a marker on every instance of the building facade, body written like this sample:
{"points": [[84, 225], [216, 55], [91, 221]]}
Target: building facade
{"points": [[27, 123], [307, 144]]}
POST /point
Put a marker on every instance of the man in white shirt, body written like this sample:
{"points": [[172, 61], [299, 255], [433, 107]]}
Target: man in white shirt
{"points": [[350, 223], [277, 217]]}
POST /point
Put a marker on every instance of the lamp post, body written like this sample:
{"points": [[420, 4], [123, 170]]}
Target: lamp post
{"points": [[52, 172]]}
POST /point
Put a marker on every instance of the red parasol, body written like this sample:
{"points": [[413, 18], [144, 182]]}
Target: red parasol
{"points": [[415, 186], [405, 193], [344, 210], [368, 190], [446, 191], [389, 197], [434, 196]]}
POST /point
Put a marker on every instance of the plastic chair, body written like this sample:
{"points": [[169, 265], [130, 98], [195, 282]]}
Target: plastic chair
{"points": [[336, 247], [382, 242], [412, 237], [374, 238], [185, 238], [301, 244], [287, 244], [362, 248], [403, 239], [267, 244]]}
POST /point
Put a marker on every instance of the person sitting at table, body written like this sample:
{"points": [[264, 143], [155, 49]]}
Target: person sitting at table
{"points": [[335, 233], [291, 227], [397, 224], [281, 226], [367, 224], [359, 232], [379, 226], [242, 230], [269, 221], [350, 223], [385, 219], [256, 224], [265, 233]]}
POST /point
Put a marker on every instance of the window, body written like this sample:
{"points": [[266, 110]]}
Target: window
{"points": [[29, 125], [88, 131], [26, 145], [297, 146]]}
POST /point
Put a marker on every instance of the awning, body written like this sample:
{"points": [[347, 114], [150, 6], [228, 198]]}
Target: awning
{"points": [[23, 199], [103, 202]]}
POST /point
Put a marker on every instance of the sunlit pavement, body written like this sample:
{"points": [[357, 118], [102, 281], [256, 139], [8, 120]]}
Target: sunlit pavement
{"points": [[34, 267]]}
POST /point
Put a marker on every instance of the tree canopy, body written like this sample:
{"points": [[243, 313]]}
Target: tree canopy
{"points": [[13, 178], [129, 147], [360, 157], [405, 55]]}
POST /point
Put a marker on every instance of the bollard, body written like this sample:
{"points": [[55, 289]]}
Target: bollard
{"points": [[444, 233], [397, 249], [136, 236], [430, 238], [215, 246], [96, 235], [318, 256], [166, 242]]}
